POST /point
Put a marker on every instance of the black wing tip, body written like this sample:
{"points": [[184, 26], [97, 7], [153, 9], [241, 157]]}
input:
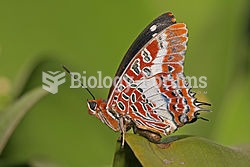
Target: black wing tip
{"points": [[167, 15]]}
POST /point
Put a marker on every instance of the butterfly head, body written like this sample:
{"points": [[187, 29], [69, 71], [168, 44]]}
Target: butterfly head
{"points": [[99, 109], [96, 106]]}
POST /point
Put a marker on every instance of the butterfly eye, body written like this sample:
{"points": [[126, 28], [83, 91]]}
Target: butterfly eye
{"points": [[92, 107], [195, 117]]}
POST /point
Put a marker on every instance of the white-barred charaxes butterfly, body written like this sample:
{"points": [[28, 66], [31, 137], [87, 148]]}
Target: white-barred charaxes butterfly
{"points": [[151, 95]]}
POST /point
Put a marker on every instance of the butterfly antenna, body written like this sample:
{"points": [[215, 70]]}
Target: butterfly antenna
{"points": [[73, 76]]}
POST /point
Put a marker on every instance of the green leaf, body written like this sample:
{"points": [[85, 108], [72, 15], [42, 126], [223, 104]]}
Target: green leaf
{"points": [[124, 156], [30, 75], [12, 115], [187, 151], [5, 88]]}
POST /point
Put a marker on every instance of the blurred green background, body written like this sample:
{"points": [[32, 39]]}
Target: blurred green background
{"points": [[93, 36]]}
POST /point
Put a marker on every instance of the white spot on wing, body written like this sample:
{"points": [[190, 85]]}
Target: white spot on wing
{"points": [[153, 28], [154, 34]]}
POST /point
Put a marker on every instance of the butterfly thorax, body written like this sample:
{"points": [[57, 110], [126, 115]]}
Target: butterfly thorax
{"points": [[106, 114]]}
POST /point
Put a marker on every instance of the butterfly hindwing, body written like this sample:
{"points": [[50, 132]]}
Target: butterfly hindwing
{"points": [[152, 91]]}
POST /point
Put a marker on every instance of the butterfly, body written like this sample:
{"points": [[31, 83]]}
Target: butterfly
{"points": [[151, 94]]}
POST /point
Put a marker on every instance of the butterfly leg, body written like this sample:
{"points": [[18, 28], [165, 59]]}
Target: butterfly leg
{"points": [[123, 130], [151, 136]]}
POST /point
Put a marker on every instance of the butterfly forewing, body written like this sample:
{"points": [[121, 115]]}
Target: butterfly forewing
{"points": [[156, 26]]}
